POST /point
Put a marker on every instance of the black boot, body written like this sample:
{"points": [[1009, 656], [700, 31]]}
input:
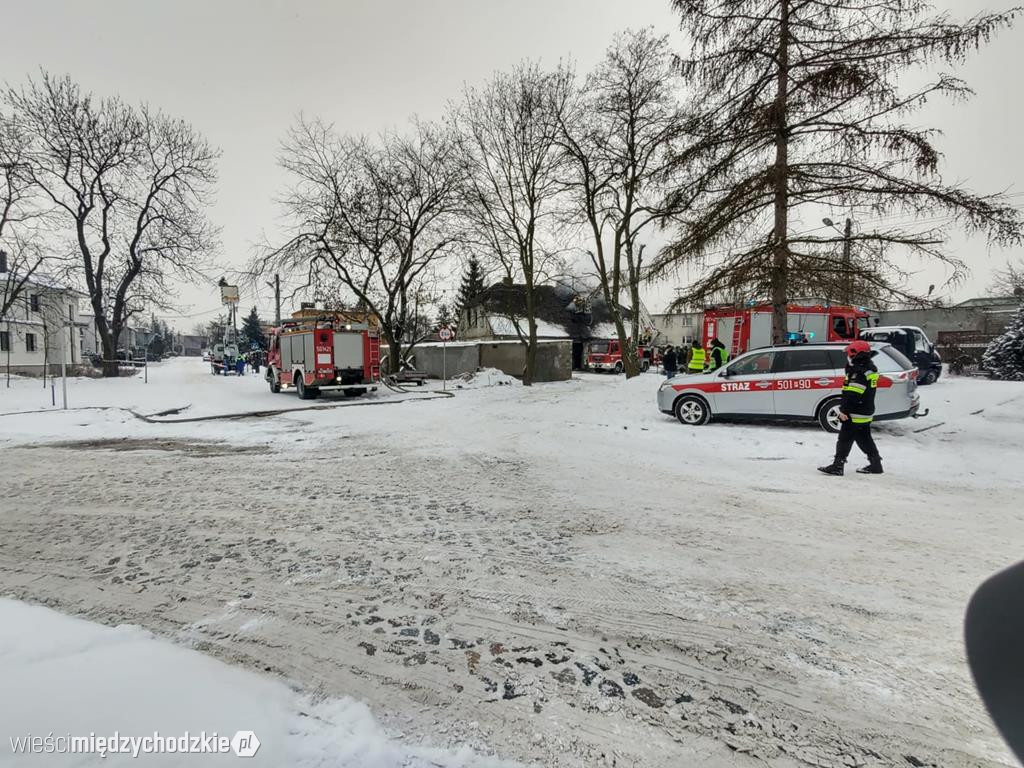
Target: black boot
{"points": [[835, 468], [874, 466]]}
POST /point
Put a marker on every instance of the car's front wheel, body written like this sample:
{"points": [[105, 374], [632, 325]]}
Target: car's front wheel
{"points": [[930, 377], [692, 411], [828, 415]]}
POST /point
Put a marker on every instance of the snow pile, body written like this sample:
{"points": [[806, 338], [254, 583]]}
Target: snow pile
{"points": [[485, 377], [72, 677]]}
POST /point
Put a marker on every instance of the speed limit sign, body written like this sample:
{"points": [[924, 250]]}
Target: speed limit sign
{"points": [[445, 333]]}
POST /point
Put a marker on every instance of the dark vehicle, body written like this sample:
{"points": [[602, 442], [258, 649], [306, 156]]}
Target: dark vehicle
{"points": [[912, 342]]}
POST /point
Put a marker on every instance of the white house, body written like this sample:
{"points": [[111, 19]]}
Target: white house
{"points": [[42, 328]]}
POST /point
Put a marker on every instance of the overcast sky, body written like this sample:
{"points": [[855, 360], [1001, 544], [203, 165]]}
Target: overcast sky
{"points": [[241, 70]]}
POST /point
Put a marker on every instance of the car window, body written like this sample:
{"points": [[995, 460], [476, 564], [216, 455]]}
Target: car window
{"points": [[891, 360], [760, 362], [838, 358], [796, 360], [919, 341], [599, 347]]}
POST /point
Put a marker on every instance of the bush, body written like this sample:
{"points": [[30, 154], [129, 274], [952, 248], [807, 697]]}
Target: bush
{"points": [[1004, 358]]}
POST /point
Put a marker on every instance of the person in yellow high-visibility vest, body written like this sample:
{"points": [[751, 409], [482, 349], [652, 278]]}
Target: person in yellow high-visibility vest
{"points": [[719, 355], [698, 358]]}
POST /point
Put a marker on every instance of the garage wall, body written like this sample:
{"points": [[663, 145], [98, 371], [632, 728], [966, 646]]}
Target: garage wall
{"points": [[554, 359], [461, 358]]}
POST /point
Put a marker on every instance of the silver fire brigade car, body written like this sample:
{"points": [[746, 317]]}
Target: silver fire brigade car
{"points": [[802, 382]]}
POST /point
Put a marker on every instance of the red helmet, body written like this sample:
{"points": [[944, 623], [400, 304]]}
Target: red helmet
{"points": [[856, 347]]}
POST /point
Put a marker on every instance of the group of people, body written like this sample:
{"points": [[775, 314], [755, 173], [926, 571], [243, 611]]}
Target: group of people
{"points": [[694, 358], [252, 360]]}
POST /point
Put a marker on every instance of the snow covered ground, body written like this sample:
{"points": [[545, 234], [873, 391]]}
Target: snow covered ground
{"points": [[558, 575], [68, 677]]}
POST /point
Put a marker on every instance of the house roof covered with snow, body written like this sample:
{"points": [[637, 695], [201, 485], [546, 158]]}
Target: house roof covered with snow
{"points": [[561, 312]]}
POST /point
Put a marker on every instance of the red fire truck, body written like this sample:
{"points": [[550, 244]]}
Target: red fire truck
{"points": [[317, 355], [743, 328], [607, 356]]}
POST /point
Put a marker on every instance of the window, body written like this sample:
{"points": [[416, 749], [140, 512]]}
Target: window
{"points": [[71, 312], [797, 360], [33, 302], [30, 342], [599, 347], [752, 364], [920, 342], [5, 341], [891, 360], [842, 328]]}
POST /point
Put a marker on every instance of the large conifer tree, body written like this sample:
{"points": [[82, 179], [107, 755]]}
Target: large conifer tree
{"points": [[803, 111]]}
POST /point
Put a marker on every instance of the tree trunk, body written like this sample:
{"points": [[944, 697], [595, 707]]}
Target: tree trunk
{"points": [[530, 372], [108, 340], [394, 354], [630, 361], [780, 255]]}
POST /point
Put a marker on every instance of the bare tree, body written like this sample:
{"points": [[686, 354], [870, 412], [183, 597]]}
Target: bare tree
{"points": [[510, 133], [377, 218], [132, 184], [21, 211], [619, 138], [802, 112]]}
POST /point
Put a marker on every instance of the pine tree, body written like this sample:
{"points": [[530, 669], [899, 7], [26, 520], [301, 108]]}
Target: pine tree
{"points": [[1004, 358], [471, 287], [252, 333], [444, 316]]}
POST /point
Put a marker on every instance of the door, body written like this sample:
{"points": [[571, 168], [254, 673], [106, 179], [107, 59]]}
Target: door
{"points": [[897, 382], [744, 387], [760, 334], [803, 378]]}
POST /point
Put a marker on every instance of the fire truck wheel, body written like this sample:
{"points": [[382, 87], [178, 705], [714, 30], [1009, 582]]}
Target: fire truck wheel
{"points": [[618, 367], [304, 392], [692, 411], [828, 415], [275, 382]]}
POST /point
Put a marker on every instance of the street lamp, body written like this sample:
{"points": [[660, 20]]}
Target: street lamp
{"points": [[847, 234]]}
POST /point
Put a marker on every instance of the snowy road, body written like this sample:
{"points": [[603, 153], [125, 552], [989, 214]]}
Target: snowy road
{"points": [[560, 575]]}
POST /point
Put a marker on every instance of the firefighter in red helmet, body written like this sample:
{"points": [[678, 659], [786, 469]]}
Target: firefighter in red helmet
{"points": [[857, 411]]}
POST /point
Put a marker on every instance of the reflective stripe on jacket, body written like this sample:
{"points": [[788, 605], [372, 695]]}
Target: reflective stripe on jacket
{"points": [[859, 390]]}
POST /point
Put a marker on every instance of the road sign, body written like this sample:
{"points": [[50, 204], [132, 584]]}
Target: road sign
{"points": [[229, 294], [445, 333]]}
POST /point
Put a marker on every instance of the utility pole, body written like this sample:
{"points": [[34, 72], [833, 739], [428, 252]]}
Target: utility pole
{"points": [[847, 275], [846, 267], [277, 299], [276, 285]]}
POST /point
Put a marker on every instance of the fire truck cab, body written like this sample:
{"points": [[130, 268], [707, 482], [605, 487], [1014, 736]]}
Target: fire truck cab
{"points": [[313, 356], [607, 356], [745, 328]]}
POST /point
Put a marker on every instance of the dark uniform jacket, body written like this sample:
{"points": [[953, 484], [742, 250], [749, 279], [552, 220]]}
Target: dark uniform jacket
{"points": [[670, 361], [859, 388]]}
